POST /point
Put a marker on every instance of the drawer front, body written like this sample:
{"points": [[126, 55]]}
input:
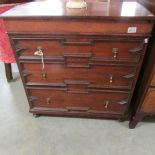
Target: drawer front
{"points": [[149, 101], [112, 76], [114, 49], [77, 26], [93, 101]]}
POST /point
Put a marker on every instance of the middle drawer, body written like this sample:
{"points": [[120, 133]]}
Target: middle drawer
{"points": [[112, 76]]}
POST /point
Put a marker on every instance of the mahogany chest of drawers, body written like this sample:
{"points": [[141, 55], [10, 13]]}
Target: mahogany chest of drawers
{"points": [[79, 62]]}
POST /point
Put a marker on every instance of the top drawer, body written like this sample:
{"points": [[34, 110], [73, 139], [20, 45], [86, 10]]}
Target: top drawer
{"points": [[77, 26], [104, 48]]}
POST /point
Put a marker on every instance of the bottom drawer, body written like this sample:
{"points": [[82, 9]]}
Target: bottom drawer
{"points": [[99, 101], [149, 101]]}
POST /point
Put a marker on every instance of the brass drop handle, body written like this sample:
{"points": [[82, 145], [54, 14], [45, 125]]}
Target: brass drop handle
{"points": [[48, 100], [39, 52], [111, 79], [115, 52], [106, 104], [44, 76]]}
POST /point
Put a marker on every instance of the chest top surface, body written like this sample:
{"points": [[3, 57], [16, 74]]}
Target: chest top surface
{"points": [[107, 9]]}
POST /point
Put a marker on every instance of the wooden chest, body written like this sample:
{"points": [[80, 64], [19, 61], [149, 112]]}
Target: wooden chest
{"points": [[79, 62]]}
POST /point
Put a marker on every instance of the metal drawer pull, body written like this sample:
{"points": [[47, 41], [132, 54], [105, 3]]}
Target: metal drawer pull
{"points": [[106, 104], [44, 76], [40, 53], [111, 79], [115, 52], [122, 102], [48, 100]]}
